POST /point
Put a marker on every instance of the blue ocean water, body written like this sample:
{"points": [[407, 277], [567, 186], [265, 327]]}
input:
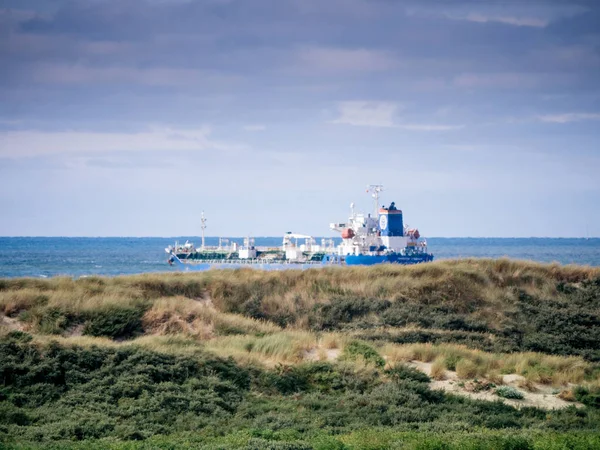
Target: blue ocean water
{"points": [[45, 257]]}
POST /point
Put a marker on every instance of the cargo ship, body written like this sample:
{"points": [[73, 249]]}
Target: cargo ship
{"points": [[366, 239]]}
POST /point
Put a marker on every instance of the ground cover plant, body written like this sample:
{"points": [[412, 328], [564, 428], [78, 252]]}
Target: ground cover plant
{"points": [[508, 392], [301, 359], [54, 393]]}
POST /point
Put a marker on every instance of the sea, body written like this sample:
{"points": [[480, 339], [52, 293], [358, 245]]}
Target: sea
{"points": [[43, 257]]}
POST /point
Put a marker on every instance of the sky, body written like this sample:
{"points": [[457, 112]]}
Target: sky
{"points": [[131, 117]]}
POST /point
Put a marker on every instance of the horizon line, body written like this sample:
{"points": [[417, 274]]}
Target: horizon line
{"points": [[243, 237]]}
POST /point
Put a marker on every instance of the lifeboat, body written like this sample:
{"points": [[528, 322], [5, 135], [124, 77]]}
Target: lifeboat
{"points": [[347, 233], [413, 233]]}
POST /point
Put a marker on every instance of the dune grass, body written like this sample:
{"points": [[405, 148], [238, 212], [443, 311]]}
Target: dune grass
{"points": [[510, 309], [279, 348], [294, 347], [172, 315], [261, 359], [470, 363], [458, 280]]}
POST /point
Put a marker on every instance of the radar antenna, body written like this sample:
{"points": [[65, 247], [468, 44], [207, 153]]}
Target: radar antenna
{"points": [[375, 189], [203, 226]]}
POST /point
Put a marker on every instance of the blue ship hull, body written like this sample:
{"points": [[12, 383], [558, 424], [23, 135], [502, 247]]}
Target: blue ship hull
{"points": [[369, 260]]}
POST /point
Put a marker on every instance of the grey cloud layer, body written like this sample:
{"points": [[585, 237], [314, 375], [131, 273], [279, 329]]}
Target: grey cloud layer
{"points": [[262, 36], [94, 65]]}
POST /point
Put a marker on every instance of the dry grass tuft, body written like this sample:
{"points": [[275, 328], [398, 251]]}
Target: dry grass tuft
{"points": [[470, 363], [284, 347], [438, 369], [527, 384], [81, 341], [424, 352], [14, 301], [495, 377], [180, 315], [567, 395], [331, 341], [397, 353], [466, 369]]}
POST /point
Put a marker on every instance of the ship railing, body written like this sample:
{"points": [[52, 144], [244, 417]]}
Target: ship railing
{"points": [[236, 262]]}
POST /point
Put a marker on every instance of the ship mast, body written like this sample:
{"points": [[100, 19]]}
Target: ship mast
{"points": [[203, 226], [375, 189]]}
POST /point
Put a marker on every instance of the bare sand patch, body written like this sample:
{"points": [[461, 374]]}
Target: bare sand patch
{"points": [[11, 323], [322, 354], [545, 397]]}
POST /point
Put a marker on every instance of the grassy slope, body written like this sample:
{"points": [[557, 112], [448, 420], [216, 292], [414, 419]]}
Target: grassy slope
{"points": [[483, 317]]}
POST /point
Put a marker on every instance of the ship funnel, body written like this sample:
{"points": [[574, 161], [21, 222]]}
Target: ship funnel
{"points": [[390, 221]]}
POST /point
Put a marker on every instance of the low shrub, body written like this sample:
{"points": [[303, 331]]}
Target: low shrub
{"points": [[588, 396], [52, 320], [115, 322], [340, 311], [451, 361], [355, 349], [509, 392], [264, 444], [472, 340], [77, 394], [11, 414], [404, 372], [18, 336], [54, 396]]}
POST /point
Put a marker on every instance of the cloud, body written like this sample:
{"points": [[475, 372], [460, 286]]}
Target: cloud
{"points": [[25, 143], [254, 127], [569, 117], [517, 21], [10, 122], [427, 127], [502, 80], [152, 76], [429, 84], [367, 114], [382, 115], [106, 47], [582, 56], [461, 14], [330, 59], [517, 14], [9, 17], [513, 80]]}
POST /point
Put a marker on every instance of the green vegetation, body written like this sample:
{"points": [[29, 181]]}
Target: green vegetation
{"points": [[509, 392], [53, 393], [115, 322], [314, 359], [492, 305], [588, 396], [357, 349]]}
